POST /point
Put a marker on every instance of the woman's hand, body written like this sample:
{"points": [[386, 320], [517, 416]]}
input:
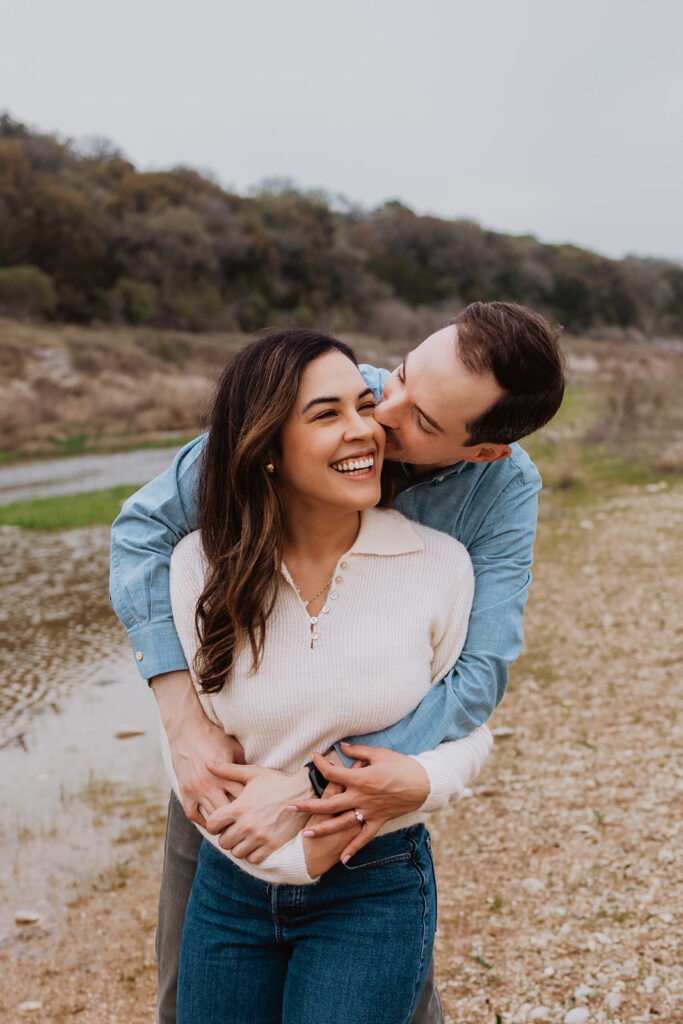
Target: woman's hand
{"points": [[257, 822], [388, 786]]}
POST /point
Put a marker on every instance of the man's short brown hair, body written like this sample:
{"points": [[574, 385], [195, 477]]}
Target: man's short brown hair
{"points": [[521, 350]]}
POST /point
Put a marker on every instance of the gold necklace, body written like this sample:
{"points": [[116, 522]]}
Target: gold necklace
{"points": [[315, 596]]}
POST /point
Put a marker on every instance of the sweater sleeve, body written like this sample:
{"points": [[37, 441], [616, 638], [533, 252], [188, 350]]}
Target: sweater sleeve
{"points": [[452, 765]]}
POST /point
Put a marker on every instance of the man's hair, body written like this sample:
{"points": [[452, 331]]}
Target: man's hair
{"points": [[521, 350]]}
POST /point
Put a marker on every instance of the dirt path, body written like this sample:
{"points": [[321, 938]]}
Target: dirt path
{"points": [[559, 878]]}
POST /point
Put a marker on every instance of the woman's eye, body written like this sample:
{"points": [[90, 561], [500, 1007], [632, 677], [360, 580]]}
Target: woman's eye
{"points": [[326, 415], [421, 425], [368, 405], [399, 374]]}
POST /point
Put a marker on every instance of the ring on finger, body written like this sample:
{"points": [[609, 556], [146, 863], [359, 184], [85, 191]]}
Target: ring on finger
{"points": [[360, 817]]}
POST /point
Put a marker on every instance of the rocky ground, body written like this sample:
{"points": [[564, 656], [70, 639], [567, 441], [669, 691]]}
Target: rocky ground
{"points": [[559, 876]]}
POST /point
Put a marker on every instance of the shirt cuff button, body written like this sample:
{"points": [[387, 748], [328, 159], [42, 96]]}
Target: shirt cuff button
{"points": [[138, 655]]}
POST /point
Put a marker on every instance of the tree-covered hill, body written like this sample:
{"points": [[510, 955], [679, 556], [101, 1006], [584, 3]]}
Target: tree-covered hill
{"points": [[84, 236]]}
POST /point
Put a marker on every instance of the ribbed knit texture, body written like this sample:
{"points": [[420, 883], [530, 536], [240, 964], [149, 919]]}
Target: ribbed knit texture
{"points": [[394, 622]]}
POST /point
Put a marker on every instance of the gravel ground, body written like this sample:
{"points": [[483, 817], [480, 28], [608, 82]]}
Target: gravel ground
{"points": [[559, 877]]}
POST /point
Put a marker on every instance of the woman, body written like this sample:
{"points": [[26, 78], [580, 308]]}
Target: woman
{"points": [[309, 615]]}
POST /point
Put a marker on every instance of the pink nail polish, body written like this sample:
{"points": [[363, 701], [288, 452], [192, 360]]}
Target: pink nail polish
{"points": [[292, 807], [308, 834], [346, 859]]}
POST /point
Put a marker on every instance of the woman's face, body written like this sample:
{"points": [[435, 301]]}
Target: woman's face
{"points": [[332, 447]]}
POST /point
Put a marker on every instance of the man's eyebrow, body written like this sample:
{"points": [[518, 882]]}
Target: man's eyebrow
{"points": [[331, 399], [430, 421]]}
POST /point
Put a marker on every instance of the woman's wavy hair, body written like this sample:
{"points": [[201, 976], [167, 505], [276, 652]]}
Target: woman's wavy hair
{"points": [[241, 514]]}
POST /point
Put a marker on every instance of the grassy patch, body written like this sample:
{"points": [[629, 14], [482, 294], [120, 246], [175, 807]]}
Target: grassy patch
{"points": [[68, 512]]}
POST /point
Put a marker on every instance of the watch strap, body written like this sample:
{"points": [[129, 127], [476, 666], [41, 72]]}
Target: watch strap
{"points": [[318, 780]]}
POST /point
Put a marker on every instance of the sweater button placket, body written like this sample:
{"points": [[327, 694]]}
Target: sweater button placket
{"points": [[326, 608]]}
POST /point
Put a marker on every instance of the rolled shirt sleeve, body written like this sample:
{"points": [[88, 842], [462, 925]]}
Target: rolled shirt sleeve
{"points": [[143, 536]]}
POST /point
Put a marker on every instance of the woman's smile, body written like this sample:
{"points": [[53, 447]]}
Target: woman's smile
{"points": [[356, 466]]}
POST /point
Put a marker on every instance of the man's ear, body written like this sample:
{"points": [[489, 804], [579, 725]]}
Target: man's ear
{"points": [[489, 452]]}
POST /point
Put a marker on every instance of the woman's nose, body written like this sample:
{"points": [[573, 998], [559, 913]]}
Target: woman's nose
{"points": [[360, 426]]}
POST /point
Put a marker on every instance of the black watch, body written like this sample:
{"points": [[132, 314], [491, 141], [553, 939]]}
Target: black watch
{"points": [[318, 780]]}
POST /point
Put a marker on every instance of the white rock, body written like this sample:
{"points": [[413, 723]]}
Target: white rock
{"points": [[613, 1000], [29, 1005], [27, 917], [607, 620], [584, 992], [503, 733], [533, 886], [540, 1013], [586, 524], [652, 982], [579, 1015], [548, 972]]}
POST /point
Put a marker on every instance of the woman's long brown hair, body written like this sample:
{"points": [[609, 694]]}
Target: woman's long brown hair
{"points": [[241, 516]]}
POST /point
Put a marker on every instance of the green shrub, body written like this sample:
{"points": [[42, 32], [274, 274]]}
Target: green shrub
{"points": [[199, 308], [139, 300], [26, 291]]}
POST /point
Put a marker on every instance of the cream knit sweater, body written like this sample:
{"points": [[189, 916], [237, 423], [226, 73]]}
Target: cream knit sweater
{"points": [[394, 623]]}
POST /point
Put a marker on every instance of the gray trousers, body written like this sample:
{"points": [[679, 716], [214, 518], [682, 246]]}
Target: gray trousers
{"points": [[181, 850]]}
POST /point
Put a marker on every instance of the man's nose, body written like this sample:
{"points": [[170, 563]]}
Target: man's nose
{"points": [[387, 412]]}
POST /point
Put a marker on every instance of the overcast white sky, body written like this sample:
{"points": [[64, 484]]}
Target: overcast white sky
{"points": [[560, 119]]}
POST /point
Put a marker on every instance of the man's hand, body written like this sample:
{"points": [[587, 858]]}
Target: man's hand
{"points": [[257, 822], [388, 786], [324, 852], [193, 739]]}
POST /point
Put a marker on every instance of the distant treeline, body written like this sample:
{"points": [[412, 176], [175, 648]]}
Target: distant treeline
{"points": [[86, 237]]}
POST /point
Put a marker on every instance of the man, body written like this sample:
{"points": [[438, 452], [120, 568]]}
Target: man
{"points": [[452, 412]]}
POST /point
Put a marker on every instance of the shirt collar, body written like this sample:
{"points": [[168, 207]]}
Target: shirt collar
{"points": [[385, 532], [406, 479]]}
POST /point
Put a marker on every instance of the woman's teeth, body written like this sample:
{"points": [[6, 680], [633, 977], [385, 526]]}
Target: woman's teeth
{"points": [[354, 467]]}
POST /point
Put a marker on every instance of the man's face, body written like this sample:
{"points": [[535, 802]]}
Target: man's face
{"points": [[429, 400]]}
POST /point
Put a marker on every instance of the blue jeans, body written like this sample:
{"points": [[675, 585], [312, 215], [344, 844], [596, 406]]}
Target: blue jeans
{"points": [[356, 946]]}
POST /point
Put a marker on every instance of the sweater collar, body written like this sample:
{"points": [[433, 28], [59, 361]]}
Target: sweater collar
{"points": [[385, 532]]}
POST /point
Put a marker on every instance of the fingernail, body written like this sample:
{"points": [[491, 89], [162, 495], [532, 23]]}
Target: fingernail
{"points": [[346, 859], [292, 807], [344, 743], [309, 834]]}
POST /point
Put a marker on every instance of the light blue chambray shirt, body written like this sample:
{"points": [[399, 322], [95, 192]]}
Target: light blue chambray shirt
{"points": [[491, 508]]}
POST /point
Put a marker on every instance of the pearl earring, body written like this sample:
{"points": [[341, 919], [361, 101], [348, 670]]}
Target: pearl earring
{"points": [[270, 467]]}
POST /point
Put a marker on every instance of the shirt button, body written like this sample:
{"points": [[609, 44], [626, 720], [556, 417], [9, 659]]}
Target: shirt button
{"points": [[326, 610], [333, 595], [337, 579], [344, 565], [314, 636], [139, 655]]}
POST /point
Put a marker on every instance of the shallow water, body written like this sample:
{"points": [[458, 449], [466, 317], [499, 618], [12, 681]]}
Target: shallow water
{"points": [[68, 684]]}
